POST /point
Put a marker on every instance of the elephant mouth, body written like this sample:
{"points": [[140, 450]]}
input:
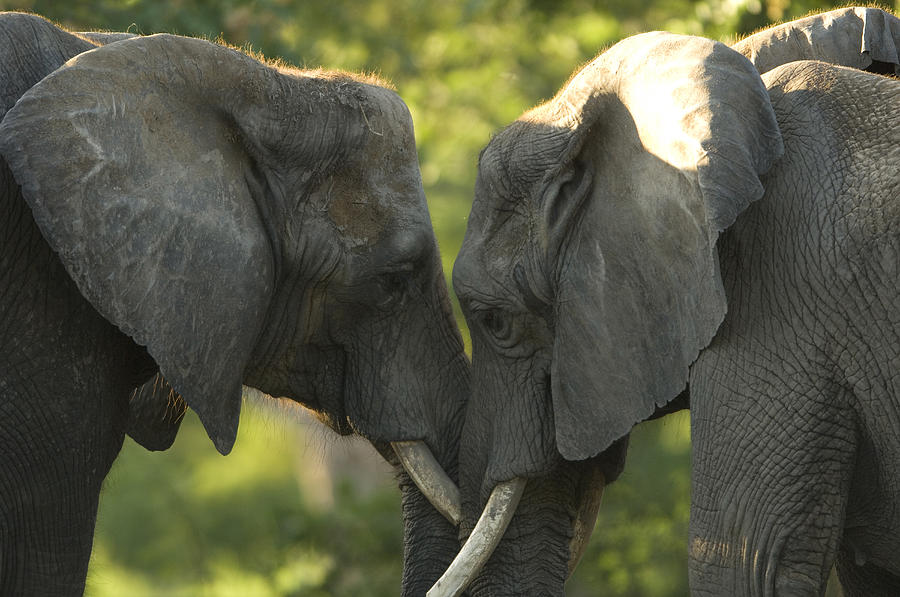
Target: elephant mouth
{"points": [[495, 518]]}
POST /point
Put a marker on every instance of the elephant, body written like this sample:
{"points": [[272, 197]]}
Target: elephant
{"points": [[863, 38], [180, 221], [674, 228]]}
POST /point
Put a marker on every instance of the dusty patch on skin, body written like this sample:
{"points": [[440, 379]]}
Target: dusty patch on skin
{"points": [[718, 553], [355, 210], [364, 199]]}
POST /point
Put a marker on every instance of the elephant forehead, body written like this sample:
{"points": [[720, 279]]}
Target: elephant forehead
{"points": [[484, 268], [518, 159], [378, 191], [496, 240]]}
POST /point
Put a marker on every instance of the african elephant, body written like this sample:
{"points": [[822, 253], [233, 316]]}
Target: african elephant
{"points": [[175, 207], [863, 38], [672, 219]]}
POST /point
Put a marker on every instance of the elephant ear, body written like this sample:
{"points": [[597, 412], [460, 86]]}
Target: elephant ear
{"points": [[135, 160], [33, 47], [863, 38], [668, 138]]}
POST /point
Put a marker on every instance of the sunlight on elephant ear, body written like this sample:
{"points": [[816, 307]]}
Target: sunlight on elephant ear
{"points": [[248, 393]]}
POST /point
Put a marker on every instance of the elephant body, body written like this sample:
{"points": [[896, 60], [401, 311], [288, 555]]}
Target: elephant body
{"points": [[795, 404], [672, 223], [178, 219], [55, 350], [861, 38]]}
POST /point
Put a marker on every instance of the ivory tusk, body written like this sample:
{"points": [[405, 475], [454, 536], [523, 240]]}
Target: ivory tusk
{"points": [[430, 478], [488, 531], [585, 518]]}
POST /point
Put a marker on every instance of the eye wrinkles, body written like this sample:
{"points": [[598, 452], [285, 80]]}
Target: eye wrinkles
{"points": [[394, 286], [541, 306], [500, 198], [474, 300], [514, 294]]}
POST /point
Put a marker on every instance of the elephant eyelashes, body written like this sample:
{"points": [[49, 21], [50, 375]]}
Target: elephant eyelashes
{"points": [[499, 325], [393, 287]]}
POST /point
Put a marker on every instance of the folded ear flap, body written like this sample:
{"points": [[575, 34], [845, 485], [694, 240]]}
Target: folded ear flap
{"points": [[673, 133], [134, 159], [863, 38], [881, 41]]}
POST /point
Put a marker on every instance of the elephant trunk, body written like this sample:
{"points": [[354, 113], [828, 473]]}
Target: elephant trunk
{"points": [[532, 533], [495, 519], [429, 540], [431, 479], [46, 543], [431, 513]]}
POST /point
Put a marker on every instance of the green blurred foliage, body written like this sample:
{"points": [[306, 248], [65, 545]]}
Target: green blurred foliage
{"points": [[639, 548], [271, 519], [187, 522]]}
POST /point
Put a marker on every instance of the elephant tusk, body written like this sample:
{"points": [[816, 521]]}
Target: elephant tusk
{"points": [[429, 476], [585, 518], [488, 531]]}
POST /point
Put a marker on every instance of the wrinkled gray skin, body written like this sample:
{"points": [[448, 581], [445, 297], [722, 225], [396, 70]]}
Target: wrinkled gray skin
{"points": [[187, 210], [672, 219], [862, 38]]}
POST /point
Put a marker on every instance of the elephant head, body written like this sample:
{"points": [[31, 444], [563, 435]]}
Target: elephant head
{"points": [[248, 223], [589, 278]]}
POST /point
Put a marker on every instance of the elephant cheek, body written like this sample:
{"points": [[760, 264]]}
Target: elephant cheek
{"points": [[314, 377], [321, 376], [393, 382], [509, 425]]}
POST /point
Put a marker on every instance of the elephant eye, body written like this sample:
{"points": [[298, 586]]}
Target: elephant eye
{"points": [[393, 287], [498, 324]]}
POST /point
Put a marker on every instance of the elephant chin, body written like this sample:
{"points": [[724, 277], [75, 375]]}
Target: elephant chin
{"points": [[495, 518]]}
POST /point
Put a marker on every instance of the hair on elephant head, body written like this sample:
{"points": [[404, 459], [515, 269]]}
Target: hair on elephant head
{"points": [[669, 217], [225, 222]]}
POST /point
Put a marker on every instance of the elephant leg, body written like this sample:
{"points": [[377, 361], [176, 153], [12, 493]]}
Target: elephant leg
{"points": [[62, 422], [773, 451], [47, 526], [53, 465]]}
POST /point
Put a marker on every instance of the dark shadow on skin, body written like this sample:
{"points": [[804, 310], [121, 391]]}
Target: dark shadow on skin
{"points": [[681, 402]]}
